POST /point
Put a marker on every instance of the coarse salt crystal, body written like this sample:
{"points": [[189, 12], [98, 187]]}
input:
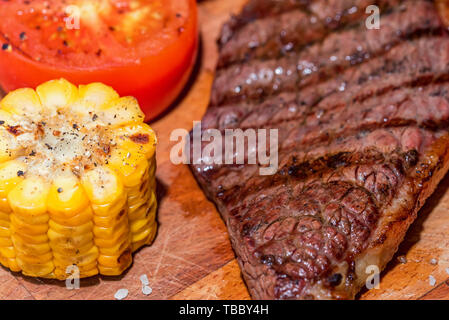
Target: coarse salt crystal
{"points": [[402, 259], [447, 270], [144, 280], [432, 280], [434, 261], [121, 294], [146, 290]]}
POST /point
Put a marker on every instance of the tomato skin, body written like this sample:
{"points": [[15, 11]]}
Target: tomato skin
{"points": [[155, 81]]}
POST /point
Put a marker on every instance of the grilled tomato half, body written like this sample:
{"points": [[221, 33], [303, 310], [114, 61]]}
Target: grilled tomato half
{"points": [[142, 48], [77, 180]]}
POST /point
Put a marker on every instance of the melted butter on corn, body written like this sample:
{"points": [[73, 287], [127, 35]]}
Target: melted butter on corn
{"points": [[77, 180]]}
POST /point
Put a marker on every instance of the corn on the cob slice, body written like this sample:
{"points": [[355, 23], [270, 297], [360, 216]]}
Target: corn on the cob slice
{"points": [[77, 180]]}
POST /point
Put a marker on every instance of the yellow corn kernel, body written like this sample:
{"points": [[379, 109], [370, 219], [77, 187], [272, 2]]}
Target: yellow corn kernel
{"points": [[7, 119], [143, 236], [71, 230], [8, 252], [4, 206], [20, 225], [5, 231], [96, 95], [140, 134], [13, 265], [109, 210], [63, 271], [9, 148], [112, 230], [57, 239], [70, 249], [30, 239], [4, 261], [5, 242], [11, 173], [80, 259], [130, 163], [23, 102], [66, 196], [82, 217], [29, 197], [35, 269], [30, 250], [57, 94], [121, 112], [83, 267], [102, 185]]}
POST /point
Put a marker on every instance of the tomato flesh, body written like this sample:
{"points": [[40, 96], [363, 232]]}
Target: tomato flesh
{"points": [[144, 48]]}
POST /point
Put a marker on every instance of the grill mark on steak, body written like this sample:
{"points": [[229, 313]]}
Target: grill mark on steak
{"points": [[393, 164], [299, 171], [275, 36], [409, 64], [334, 13], [412, 108], [349, 183], [256, 79], [257, 9], [366, 146]]}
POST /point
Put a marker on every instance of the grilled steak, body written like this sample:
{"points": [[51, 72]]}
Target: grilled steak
{"points": [[362, 118]]}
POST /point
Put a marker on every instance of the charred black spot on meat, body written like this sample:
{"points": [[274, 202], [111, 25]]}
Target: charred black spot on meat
{"points": [[335, 279], [411, 158], [338, 160], [267, 259]]}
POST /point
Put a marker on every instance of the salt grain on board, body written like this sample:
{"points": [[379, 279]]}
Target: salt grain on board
{"points": [[447, 270], [432, 280], [146, 290], [144, 280], [121, 294], [434, 262]]}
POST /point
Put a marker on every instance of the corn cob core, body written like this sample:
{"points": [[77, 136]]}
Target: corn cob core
{"points": [[77, 180]]}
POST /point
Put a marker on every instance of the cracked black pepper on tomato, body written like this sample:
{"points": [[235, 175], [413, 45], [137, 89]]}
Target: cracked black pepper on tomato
{"points": [[145, 49]]}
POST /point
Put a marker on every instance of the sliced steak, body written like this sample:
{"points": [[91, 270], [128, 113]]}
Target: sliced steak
{"points": [[408, 64], [340, 50], [363, 141], [332, 14], [293, 29]]}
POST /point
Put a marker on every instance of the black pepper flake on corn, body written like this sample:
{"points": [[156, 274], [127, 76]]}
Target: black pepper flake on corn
{"points": [[93, 208]]}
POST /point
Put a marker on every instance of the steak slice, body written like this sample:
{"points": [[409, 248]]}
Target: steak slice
{"points": [[338, 51], [292, 29], [362, 143], [328, 14]]}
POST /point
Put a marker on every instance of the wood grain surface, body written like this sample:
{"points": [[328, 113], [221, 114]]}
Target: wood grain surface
{"points": [[192, 258]]}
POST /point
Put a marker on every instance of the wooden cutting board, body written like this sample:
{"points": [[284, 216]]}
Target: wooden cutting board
{"points": [[192, 258]]}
